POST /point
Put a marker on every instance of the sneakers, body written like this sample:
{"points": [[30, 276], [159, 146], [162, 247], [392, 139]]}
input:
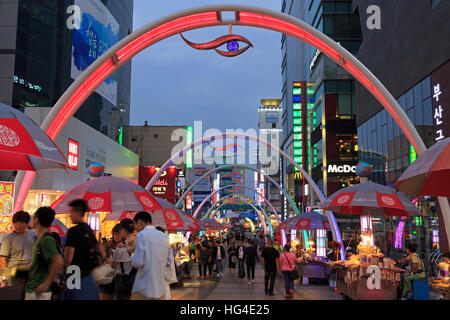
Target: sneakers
{"points": [[291, 292], [253, 281], [249, 283], [286, 295]]}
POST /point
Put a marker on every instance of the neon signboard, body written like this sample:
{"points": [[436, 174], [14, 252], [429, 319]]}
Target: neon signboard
{"points": [[440, 100], [189, 140], [300, 128], [72, 154]]}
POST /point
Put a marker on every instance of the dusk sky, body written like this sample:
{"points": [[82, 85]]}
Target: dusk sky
{"points": [[174, 84]]}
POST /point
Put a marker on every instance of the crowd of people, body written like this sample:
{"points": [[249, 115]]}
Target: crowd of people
{"points": [[136, 263]]}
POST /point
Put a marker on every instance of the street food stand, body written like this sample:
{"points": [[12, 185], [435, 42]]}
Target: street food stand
{"points": [[178, 243], [441, 284], [367, 275], [10, 289]]}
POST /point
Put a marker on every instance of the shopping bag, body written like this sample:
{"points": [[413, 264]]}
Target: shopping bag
{"points": [[103, 274]]}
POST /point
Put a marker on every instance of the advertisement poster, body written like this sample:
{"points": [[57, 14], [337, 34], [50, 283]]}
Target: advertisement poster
{"points": [[98, 32], [6, 198], [164, 187]]}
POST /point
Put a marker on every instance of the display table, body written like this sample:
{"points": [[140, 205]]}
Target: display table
{"points": [[440, 288], [313, 270], [352, 283], [12, 293]]}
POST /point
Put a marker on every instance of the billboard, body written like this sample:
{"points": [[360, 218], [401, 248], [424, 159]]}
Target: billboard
{"points": [[165, 186], [6, 198], [95, 34], [440, 94]]}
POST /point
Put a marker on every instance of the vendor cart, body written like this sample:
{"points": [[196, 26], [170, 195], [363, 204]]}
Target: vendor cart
{"points": [[352, 283], [313, 270]]}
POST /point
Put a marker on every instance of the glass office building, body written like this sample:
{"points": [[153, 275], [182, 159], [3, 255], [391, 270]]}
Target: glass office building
{"points": [[52, 50]]}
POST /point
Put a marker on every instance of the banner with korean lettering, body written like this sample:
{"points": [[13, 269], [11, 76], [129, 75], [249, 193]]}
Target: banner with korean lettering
{"points": [[440, 101], [92, 36], [6, 198]]}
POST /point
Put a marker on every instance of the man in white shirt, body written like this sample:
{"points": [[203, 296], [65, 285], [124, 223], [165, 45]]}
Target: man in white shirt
{"points": [[150, 259]]}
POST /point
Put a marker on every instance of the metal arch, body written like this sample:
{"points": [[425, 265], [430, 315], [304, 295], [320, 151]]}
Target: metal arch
{"points": [[261, 212], [245, 167], [207, 16], [334, 227]]}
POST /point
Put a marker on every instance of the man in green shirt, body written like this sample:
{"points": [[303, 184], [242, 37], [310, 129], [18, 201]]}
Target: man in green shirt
{"points": [[47, 262]]}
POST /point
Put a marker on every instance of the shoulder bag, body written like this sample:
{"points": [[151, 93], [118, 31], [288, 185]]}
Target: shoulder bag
{"points": [[294, 273]]}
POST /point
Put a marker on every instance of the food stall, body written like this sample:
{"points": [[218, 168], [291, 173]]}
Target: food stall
{"points": [[178, 243], [441, 284], [312, 266], [367, 275]]}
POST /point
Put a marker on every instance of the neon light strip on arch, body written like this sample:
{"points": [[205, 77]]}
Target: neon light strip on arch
{"points": [[208, 16]]}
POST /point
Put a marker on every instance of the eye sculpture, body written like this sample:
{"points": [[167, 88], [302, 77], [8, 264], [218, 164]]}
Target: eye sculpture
{"points": [[231, 41]]}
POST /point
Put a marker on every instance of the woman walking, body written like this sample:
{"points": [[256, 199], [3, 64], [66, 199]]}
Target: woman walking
{"points": [[288, 262], [232, 257], [107, 290], [250, 257]]}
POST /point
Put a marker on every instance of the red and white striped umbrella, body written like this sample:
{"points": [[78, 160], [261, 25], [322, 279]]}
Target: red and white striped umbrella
{"points": [[305, 221], [429, 174], [58, 227], [109, 194], [370, 199]]}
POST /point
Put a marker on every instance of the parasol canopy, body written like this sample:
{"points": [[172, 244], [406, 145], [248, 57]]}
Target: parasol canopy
{"points": [[370, 199], [429, 174], [24, 145], [305, 221], [109, 194]]}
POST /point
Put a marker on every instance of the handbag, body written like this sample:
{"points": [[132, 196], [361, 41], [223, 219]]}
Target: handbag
{"points": [[294, 273], [103, 274]]}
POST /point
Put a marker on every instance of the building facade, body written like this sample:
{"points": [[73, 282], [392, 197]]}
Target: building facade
{"points": [[319, 126], [46, 44], [270, 124], [417, 76]]}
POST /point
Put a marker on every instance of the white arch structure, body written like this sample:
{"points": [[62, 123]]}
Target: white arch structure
{"points": [[245, 167], [262, 213], [208, 16]]}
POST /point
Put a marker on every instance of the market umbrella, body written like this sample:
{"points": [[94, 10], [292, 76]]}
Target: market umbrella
{"points": [[210, 224], [306, 221], [58, 227], [24, 145], [429, 174], [191, 225], [370, 199], [165, 215], [108, 194]]}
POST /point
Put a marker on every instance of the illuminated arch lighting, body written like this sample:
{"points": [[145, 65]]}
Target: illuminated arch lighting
{"points": [[261, 214], [242, 166], [208, 16]]}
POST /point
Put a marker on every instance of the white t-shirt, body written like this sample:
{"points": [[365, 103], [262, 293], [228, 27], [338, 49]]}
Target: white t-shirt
{"points": [[122, 256], [219, 254]]}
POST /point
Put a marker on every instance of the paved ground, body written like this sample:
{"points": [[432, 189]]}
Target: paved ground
{"points": [[231, 287]]}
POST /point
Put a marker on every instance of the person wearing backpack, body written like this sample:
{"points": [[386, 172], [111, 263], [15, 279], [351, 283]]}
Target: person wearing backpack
{"points": [[83, 250], [288, 263], [46, 262]]}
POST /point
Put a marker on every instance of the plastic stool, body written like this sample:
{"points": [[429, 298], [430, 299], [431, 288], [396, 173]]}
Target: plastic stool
{"points": [[421, 290]]}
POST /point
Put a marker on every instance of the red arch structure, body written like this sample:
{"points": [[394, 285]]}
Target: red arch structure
{"points": [[208, 16]]}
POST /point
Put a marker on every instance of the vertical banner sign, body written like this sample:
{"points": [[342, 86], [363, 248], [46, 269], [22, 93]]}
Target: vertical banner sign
{"points": [[189, 200], [97, 32], [73, 154], [440, 97], [189, 140], [6, 198], [297, 123]]}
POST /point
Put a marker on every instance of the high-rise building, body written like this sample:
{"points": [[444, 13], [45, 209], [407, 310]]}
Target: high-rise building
{"points": [[412, 60], [270, 129], [319, 129], [45, 45]]}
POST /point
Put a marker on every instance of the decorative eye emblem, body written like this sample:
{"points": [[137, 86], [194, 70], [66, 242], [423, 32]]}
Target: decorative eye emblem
{"points": [[231, 41]]}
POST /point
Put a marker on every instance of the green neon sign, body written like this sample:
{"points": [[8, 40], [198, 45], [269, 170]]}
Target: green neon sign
{"points": [[412, 154], [189, 140], [121, 136]]}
